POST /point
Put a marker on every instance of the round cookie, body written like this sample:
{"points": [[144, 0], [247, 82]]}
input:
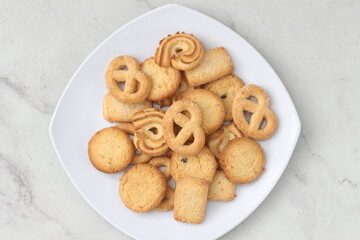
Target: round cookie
{"points": [[242, 160], [226, 88], [142, 188], [162, 161], [167, 203], [212, 108], [202, 166], [165, 80], [110, 150]]}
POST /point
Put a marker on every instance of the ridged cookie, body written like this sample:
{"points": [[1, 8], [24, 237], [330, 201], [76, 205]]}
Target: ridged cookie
{"points": [[221, 189], [142, 188], [212, 108], [165, 80], [226, 88], [216, 64], [242, 160], [190, 200], [110, 150]]}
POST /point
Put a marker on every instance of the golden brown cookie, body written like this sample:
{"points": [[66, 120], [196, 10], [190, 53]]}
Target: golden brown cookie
{"points": [[218, 140], [216, 64], [226, 88], [167, 203], [181, 128], [110, 150], [221, 189], [162, 161], [242, 160], [182, 51], [148, 137], [126, 69], [115, 111], [165, 80], [260, 111], [142, 187], [203, 166], [190, 200], [212, 108], [138, 156]]}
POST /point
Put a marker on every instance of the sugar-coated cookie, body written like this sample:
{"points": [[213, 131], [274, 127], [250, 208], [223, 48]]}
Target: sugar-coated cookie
{"points": [[167, 203], [203, 166], [212, 108], [216, 64], [162, 161], [137, 85], [218, 140], [110, 150], [260, 111], [182, 51], [242, 160], [115, 111], [221, 189], [190, 200], [142, 187], [226, 88], [165, 80]]}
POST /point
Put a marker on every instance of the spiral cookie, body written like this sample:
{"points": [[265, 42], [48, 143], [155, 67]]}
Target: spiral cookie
{"points": [[181, 124], [148, 137], [137, 85], [218, 140], [260, 111], [242, 160], [110, 150], [182, 51], [138, 157]]}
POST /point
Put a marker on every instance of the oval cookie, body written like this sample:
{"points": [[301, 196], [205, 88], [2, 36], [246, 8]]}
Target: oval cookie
{"points": [[142, 188], [242, 160], [162, 161], [167, 203], [110, 150]]}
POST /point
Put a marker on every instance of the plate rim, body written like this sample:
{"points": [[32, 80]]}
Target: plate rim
{"points": [[293, 141]]}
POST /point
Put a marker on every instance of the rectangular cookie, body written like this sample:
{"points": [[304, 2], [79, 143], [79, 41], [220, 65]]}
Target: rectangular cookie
{"points": [[221, 189], [216, 64], [190, 200], [116, 111]]}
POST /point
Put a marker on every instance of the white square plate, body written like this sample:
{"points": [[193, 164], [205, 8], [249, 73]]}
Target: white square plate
{"points": [[78, 116]]}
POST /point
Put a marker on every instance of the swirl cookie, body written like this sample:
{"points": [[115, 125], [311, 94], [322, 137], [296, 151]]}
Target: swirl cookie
{"points": [[164, 80], [115, 111], [110, 150], [260, 112], [216, 64], [181, 128], [221, 189], [137, 85], [190, 200], [162, 162], [148, 137], [218, 140], [212, 108], [182, 51], [242, 160], [142, 188], [226, 88], [167, 203], [138, 156], [202, 165]]}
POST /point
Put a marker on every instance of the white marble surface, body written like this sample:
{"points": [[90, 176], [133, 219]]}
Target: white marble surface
{"points": [[313, 45]]}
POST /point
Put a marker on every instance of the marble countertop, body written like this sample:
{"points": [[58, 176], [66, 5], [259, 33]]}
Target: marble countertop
{"points": [[314, 46]]}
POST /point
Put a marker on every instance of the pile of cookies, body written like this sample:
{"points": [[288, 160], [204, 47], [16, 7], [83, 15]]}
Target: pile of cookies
{"points": [[201, 134]]}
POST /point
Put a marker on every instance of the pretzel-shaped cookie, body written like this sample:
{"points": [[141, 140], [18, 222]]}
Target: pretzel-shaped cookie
{"points": [[148, 137], [182, 51], [260, 111], [178, 114], [137, 84]]}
